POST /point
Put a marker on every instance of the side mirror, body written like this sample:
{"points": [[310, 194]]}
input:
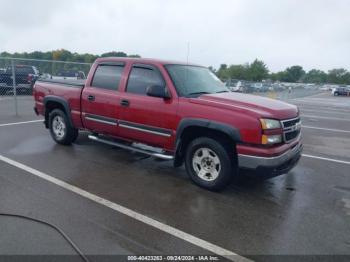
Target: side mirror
{"points": [[158, 91]]}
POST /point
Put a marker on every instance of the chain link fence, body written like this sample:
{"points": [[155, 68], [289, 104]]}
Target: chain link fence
{"points": [[18, 76]]}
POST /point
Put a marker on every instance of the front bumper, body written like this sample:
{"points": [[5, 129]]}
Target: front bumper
{"points": [[276, 164]]}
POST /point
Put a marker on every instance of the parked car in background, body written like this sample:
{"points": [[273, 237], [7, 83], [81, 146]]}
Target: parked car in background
{"points": [[45, 76], [234, 85], [341, 91], [25, 77], [69, 75]]}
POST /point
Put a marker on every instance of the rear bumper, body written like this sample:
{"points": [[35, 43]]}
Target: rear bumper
{"points": [[276, 164]]}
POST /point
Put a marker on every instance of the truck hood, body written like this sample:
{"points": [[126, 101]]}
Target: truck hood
{"points": [[260, 106]]}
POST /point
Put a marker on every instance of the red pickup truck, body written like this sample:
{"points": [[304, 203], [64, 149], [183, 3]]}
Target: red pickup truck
{"points": [[174, 111]]}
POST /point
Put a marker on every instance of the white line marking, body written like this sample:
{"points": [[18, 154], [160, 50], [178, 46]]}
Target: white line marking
{"points": [[20, 123], [327, 129], [327, 159], [325, 112], [130, 213], [347, 202], [334, 104], [329, 109], [347, 205], [324, 117]]}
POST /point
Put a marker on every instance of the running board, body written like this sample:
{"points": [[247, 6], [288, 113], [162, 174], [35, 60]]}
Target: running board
{"points": [[139, 150]]}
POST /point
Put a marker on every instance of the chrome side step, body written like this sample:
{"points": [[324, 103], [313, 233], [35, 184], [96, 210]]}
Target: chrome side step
{"points": [[139, 150]]}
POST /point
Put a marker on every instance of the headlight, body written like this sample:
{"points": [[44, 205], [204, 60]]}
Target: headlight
{"points": [[270, 123], [271, 139]]}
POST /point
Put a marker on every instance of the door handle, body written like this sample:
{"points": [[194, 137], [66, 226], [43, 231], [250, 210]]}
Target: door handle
{"points": [[124, 102], [91, 98]]}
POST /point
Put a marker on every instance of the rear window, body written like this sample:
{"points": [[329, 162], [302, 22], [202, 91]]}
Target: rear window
{"points": [[107, 76]]}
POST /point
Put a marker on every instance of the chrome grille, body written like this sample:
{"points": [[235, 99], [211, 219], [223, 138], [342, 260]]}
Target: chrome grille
{"points": [[291, 129]]}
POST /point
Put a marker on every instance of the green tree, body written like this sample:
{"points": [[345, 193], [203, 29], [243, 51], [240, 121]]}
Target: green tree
{"points": [[294, 73], [212, 69], [257, 71], [338, 76], [115, 54], [135, 56], [315, 76], [222, 73], [238, 72]]}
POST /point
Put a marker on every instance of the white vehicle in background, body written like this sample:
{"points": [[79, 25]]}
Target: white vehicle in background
{"points": [[258, 87], [234, 85], [45, 76], [238, 87]]}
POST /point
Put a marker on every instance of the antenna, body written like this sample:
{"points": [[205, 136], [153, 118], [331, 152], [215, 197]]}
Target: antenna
{"points": [[188, 56], [188, 51]]}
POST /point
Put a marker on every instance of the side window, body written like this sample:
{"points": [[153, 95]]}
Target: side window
{"points": [[140, 78], [107, 76]]}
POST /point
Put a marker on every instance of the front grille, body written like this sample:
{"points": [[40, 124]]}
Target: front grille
{"points": [[291, 135], [291, 129]]}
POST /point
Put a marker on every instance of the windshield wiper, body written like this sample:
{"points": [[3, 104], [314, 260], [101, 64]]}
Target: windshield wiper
{"points": [[223, 91], [198, 93]]}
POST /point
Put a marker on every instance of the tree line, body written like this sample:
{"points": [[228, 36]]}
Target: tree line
{"points": [[255, 71], [258, 71], [58, 55], [64, 55]]}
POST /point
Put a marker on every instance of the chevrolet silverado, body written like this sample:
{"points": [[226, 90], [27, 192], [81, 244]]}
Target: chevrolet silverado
{"points": [[174, 111]]}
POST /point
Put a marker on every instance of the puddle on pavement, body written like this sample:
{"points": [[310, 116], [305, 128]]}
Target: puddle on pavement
{"points": [[33, 146]]}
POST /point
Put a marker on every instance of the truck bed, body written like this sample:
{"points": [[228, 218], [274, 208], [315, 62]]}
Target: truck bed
{"points": [[66, 90]]}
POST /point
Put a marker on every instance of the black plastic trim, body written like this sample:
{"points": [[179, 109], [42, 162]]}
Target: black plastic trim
{"points": [[101, 118], [62, 102], [232, 132], [213, 125], [111, 64], [163, 131]]}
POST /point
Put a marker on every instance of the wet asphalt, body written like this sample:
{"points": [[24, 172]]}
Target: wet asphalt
{"points": [[304, 212]]}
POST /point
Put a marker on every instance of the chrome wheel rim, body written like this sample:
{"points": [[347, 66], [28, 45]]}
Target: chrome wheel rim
{"points": [[58, 127], [206, 164]]}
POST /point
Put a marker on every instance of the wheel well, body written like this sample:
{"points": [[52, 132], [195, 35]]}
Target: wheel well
{"points": [[193, 132], [51, 105]]}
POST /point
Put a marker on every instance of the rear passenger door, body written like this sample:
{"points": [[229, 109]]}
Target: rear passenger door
{"points": [[101, 99]]}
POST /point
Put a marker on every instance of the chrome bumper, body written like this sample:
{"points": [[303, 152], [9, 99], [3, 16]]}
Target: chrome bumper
{"points": [[254, 162]]}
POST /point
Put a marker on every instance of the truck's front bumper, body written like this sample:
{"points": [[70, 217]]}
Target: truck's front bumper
{"points": [[276, 164]]}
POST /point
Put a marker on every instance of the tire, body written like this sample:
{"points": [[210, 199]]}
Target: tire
{"points": [[61, 129], [210, 163], [336, 94]]}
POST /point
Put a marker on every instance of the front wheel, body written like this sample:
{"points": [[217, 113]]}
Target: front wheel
{"points": [[210, 164], [61, 129]]}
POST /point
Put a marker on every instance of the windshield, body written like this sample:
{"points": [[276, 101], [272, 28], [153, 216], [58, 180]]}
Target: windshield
{"points": [[192, 81]]}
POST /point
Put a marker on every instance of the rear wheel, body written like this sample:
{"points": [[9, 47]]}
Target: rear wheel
{"points": [[210, 164], [61, 129]]}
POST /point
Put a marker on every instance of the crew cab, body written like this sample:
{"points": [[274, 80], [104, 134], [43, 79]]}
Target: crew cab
{"points": [[174, 111]]}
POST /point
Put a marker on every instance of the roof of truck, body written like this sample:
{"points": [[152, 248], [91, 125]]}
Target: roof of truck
{"points": [[143, 60]]}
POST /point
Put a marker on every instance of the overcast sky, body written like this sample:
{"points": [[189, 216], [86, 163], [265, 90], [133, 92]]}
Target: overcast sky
{"points": [[312, 33]]}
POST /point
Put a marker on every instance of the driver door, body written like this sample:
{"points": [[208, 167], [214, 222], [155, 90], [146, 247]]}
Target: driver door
{"points": [[144, 118]]}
